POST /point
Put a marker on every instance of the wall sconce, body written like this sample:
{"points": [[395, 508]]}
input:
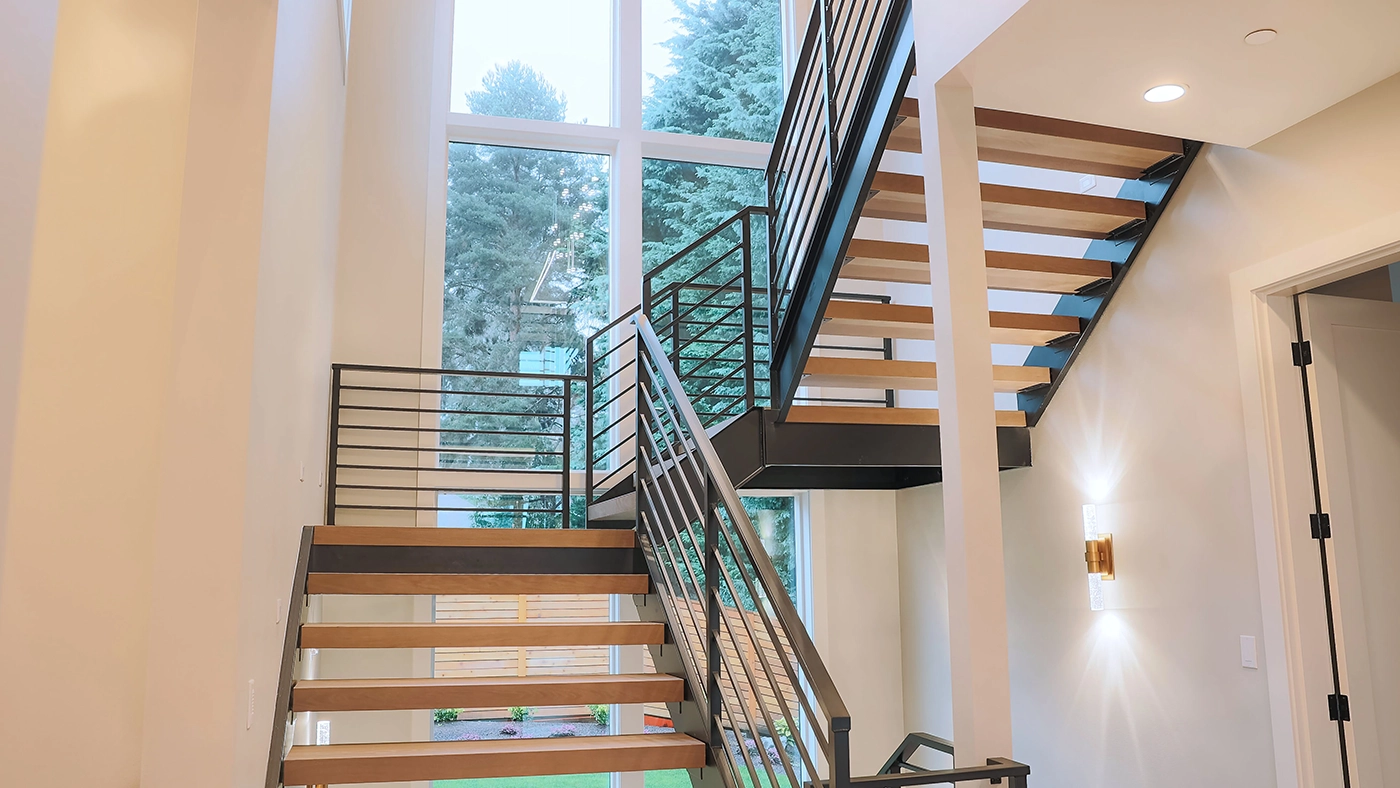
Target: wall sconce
{"points": [[1098, 555]]}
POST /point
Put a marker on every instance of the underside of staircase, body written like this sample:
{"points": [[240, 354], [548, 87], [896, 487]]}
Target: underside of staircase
{"points": [[1068, 293]]}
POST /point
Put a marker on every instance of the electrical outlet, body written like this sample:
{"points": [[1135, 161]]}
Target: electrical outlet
{"points": [[251, 704]]}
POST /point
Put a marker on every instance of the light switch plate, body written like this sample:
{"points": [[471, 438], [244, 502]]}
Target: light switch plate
{"points": [[1249, 653]]}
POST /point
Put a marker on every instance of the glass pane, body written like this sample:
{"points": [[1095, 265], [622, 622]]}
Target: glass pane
{"points": [[681, 202], [526, 269], [774, 518], [712, 67], [539, 59]]}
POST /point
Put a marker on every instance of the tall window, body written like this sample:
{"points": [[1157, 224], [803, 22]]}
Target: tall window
{"points": [[713, 68], [526, 267], [559, 51]]}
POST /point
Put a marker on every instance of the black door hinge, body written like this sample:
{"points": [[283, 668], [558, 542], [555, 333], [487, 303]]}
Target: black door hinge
{"points": [[1321, 525], [1338, 708], [1302, 354]]}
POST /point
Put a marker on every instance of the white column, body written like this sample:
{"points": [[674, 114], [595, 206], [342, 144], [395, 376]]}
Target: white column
{"points": [[971, 492], [625, 197]]}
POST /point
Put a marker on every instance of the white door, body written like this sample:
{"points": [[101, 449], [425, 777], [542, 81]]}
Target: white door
{"points": [[1356, 407]]}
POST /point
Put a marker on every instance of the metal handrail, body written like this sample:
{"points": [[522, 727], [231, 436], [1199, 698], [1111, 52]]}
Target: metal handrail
{"points": [[396, 422], [681, 481], [856, 60]]}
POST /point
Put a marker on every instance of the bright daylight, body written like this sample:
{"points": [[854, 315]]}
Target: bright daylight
{"points": [[699, 394]]}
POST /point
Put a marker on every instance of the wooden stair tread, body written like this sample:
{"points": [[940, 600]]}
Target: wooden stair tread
{"points": [[1049, 143], [473, 537], [879, 373], [892, 261], [409, 584], [485, 692], [447, 760], [482, 634], [904, 321], [900, 197], [909, 417]]}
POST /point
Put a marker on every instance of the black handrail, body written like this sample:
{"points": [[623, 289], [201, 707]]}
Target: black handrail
{"points": [[291, 659], [681, 484], [856, 61], [899, 760], [385, 416]]}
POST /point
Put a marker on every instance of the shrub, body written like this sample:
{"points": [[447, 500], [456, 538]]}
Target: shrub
{"points": [[520, 713], [600, 713], [445, 715], [562, 731], [782, 729], [510, 730]]}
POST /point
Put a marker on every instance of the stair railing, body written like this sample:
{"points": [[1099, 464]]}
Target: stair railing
{"points": [[854, 64], [753, 667], [709, 305], [408, 443]]}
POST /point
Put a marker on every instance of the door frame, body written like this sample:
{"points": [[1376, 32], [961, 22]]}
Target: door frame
{"points": [[1280, 478]]}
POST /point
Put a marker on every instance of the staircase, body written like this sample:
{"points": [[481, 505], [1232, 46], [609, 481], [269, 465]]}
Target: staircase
{"points": [[406, 560]]}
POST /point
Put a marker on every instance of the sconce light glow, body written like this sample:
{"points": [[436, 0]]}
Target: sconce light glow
{"points": [[1091, 533], [1164, 93]]}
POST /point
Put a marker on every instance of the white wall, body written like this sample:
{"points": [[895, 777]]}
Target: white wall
{"points": [[174, 346], [382, 284], [856, 614], [1149, 426], [26, 58]]}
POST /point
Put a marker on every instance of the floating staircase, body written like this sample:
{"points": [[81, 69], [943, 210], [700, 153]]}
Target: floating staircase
{"points": [[1116, 226], [407, 560]]}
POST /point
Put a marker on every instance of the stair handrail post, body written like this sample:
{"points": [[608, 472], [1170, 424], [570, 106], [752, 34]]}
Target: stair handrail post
{"points": [[566, 466], [748, 324], [588, 428], [828, 89], [333, 455], [712, 613]]}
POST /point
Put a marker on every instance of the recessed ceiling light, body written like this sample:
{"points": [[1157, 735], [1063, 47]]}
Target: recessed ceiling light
{"points": [[1163, 93], [1261, 37]]}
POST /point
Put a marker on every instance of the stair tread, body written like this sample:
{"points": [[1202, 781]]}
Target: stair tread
{"points": [[850, 414], [485, 692], [476, 633], [906, 321], [1050, 143], [445, 760], [893, 261], [409, 584], [879, 373], [473, 537], [900, 197]]}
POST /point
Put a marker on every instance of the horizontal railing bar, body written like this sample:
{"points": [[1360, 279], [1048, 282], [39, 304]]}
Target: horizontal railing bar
{"points": [[842, 399], [737, 277], [406, 390], [624, 466], [610, 402], [619, 445], [398, 508], [668, 288], [450, 412], [735, 219], [467, 490], [418, 469], [447, 430], [500, 451], [615, 373], [465, 373]]}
